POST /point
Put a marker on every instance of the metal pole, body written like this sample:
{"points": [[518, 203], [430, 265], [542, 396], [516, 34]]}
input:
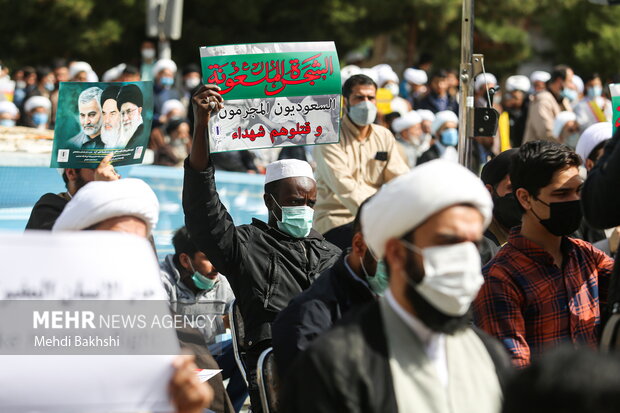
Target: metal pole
{"points": [[466, 90]]}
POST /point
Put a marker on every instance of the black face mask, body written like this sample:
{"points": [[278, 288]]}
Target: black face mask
{"points": [[506, 210], [564, 217]]}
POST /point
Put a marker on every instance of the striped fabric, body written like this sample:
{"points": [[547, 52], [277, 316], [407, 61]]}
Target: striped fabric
{"points": [[530, 304]]}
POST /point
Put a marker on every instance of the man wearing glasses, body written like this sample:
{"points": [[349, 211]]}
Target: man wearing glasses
{"points": [[130, 102]]}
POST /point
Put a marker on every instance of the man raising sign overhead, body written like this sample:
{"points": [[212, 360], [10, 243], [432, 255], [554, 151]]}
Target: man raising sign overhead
{"points": [[267, 263]]}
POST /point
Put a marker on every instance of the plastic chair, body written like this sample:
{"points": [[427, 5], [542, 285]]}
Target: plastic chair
{"points": [[268, 381]]}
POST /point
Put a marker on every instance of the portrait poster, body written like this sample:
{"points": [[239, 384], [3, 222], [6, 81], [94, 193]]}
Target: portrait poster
{"points": [[94, 119], [614, 88], [275, 94]]}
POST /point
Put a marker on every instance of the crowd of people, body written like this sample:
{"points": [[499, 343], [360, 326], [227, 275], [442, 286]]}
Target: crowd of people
{"points": [[387, 277]]}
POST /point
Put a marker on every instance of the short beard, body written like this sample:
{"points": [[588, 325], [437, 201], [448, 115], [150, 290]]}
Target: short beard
{"points": [[425, 311]]}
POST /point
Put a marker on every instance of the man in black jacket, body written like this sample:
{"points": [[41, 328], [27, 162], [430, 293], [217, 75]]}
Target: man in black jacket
{"points": [[356, 278], [600, 201], [267, 264]]}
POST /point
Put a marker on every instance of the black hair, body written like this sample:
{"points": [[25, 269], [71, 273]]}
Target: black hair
{"points": [[59, 62], [591, 77], [190, 68], [356, 80], [566, 380], [183, 244], [558, 72], [173, 125], [131, 70], [42, 71], [441, 73], [593, 153], [532, 168]]}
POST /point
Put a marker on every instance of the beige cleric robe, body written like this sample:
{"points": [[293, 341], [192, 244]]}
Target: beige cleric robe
{"points": [[472, 385]]}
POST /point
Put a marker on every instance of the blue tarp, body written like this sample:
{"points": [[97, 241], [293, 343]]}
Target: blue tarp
{"points": [[21, 187]]}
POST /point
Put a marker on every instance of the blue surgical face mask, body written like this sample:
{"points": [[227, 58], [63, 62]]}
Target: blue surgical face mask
{"points": [[7, 122], [39, 119], [449, 137], [296, 220], [569, 94], [595, 91], [49, 86], [202, 282], [167, 81], [378, 282]]}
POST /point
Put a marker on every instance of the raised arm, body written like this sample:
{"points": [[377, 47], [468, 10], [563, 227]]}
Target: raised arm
{"points": [[205, 101]]}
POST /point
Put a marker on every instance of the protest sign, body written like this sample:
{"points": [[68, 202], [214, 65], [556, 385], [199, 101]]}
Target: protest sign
{"points": [[614, 88], [275, 94], [68, 274], [94, 119]]}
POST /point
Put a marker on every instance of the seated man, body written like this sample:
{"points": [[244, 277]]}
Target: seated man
{"points": [[356, 278], [195, 287], [267, 264], [130, 206], [543, 288], [414, 349]]}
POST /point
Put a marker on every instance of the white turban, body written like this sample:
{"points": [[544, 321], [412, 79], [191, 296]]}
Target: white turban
{"points": [[77, 67], [162, 64], [406, 121], [484, 79], [518, 82], [415, 76], [560, 121], [578, 81], [114, 73], [441, 118], [101, 200], [8, 107], [426, 114], [385, 74], [400, 105], [540, 76], [348, 71], [37, 102], [407, 201], [170, 105], [591, 137], [288, 168], [371, 73], [92, 76]]}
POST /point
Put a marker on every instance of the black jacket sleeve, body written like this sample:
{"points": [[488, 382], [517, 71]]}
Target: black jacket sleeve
{"points": [[600, 198], [46, 211], [208, 222]]}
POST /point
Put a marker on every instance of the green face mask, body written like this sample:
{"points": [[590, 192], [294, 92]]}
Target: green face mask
{"points": [[296, 220], [378, 282], [202, 282]]}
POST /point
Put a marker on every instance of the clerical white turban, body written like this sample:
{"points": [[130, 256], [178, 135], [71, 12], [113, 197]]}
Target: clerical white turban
{"points": [[162, 64], [100, 200], [560, 121], [518, 82], [591, 137], [408, 201], [8, 107], [540, 76], [483, 79], [406, 121], [426, 114], [415, 76], [37, 102], [78, 67], [287, 168], [441, 118]]}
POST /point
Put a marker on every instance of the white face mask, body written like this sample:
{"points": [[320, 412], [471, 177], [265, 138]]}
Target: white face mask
{"points": [[364, 113], [452, 276], [148, 54]]}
